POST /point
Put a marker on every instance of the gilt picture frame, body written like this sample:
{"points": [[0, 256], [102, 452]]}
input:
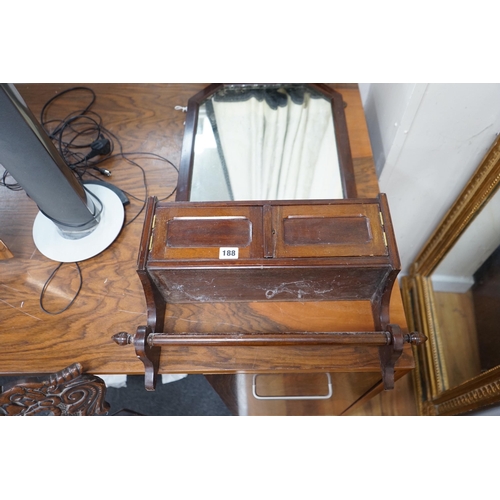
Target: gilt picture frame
{"points": [[436, 392]]}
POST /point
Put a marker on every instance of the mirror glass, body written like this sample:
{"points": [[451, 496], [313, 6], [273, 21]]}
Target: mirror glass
{"points": [[265, 142], [466, 287]]}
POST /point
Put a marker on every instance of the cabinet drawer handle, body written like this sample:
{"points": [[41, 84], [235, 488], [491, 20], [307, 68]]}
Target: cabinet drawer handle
{"points": [[322, 396]]}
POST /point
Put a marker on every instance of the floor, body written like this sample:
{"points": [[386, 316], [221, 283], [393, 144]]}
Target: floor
{"points": [[194, 396], [399, 402], [190, 396]]}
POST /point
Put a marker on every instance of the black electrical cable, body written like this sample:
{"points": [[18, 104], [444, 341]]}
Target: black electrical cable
{"points": [[68, 132], [56, 131], [84, 130], [125, 156], [94, 216], [13, 186], [51, 277], [79, 130]]}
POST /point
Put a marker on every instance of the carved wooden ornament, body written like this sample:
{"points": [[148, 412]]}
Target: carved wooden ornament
{"points": [[65, 393]]}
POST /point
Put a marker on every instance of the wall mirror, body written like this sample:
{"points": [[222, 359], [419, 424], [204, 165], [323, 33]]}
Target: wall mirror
{"points": [[265, 142], [452, 295]]}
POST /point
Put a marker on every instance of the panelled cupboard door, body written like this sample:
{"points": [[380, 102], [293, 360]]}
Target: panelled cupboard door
{"points": [[258, 231], [199, 233], [328, 231], [258, 250]]}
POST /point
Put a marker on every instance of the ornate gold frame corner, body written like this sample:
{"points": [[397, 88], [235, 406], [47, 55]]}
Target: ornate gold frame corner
{"points": [[433, 392]]}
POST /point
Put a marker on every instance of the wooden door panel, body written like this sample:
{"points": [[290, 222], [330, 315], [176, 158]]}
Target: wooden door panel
{"points": [[198, 233], [328, 231]]}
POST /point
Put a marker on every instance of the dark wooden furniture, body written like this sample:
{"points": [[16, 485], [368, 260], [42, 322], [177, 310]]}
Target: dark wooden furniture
{"points": [[306, 251], [112, 298], [236, 251], [68, 392]]}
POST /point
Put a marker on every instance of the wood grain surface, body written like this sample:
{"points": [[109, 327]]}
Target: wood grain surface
{"points": [[456, 316], [111, 299]]}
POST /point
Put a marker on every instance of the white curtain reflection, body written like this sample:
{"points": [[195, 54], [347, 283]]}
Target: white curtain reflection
{"points": [[285, 152]]}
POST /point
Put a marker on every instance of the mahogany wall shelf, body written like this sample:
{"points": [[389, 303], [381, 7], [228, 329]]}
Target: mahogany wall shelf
{"points": [[335, 250]]}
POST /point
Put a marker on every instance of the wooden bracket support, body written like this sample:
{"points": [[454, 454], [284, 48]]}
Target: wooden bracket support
{"points": [[390, 353], [149, 355]]}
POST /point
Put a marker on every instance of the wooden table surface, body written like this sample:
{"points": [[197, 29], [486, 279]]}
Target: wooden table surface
{"points": [[111, 299]]}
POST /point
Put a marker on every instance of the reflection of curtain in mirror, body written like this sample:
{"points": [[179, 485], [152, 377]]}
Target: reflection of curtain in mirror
{"points": [[288, 152]]}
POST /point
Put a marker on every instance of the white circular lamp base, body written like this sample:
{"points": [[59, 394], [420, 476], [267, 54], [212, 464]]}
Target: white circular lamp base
{"points": [[54, 246]]}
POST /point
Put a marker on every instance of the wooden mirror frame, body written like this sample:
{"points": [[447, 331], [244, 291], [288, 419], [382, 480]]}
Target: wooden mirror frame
{"points": [[339, 121], [433, 394]]}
